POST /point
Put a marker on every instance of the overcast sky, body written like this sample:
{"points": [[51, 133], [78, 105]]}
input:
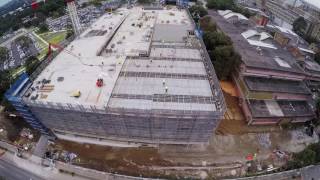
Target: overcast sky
{"points": [[314, 2]]}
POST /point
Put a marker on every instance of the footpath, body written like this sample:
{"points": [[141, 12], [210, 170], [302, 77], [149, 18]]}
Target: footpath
{"points": [[32, 165], [57, 170]]}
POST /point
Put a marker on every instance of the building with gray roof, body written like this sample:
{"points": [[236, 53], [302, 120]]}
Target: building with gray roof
{"points": [[270, 81]]}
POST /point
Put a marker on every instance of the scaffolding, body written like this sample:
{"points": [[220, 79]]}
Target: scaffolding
{"points": [[13, 95]]}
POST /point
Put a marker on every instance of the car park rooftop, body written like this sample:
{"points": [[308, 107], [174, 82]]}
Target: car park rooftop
{"points": [[141, 65]]}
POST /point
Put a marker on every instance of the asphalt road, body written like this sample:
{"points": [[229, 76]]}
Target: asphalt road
{"points": [[11, 172]]}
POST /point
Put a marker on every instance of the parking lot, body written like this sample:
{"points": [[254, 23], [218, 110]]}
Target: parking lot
{"points": [[87, 16], [18, 54]]}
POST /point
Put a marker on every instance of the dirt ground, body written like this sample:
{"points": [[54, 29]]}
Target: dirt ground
{"points": [[234, 122], [11, 127], [213, 160], [10, 132], [130, 161]]}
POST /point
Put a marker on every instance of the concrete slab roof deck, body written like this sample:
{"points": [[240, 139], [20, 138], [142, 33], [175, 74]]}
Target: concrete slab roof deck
{"points": [[80, 66], [175, 53], [174, 16], [171, 32], [163, 43], [134, 35], [262, 58], [164, 66], [78, 77], [170, 76], [150, 86]]}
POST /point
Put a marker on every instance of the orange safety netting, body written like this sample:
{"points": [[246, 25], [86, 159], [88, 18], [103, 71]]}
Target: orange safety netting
{"points": [[229, 87]]}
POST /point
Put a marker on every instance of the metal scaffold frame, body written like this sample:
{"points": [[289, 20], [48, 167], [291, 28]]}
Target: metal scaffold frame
{"points": [[13, 95]]}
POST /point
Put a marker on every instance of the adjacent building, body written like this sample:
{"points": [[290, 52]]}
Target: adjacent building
{"points": [[284, 13], [271, 84]]}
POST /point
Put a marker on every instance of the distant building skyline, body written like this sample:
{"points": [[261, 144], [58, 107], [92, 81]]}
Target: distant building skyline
{"points": [[3, 2]]}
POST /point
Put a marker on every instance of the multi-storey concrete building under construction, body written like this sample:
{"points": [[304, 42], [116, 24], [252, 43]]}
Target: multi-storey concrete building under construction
{"points": [[135, 75]]}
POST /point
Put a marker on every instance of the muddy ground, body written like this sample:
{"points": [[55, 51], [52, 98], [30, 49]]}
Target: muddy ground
{"points": [[130, 161], [11, 127]]}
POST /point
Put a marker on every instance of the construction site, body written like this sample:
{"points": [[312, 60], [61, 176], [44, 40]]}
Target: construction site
{"points": [[136, 75], [136, 94]]}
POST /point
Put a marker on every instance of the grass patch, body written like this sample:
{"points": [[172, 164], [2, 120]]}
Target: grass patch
{"points": [[54, 38], [42, 54], [17, 71]]}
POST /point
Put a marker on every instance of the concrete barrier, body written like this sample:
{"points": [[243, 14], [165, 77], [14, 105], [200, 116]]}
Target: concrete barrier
{"points": [[93, 174]]}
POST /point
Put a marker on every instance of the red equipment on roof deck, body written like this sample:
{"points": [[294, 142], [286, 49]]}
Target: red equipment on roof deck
{"points": [[56, 46], [99, 82]]}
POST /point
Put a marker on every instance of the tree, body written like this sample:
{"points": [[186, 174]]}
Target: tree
{"points": [[199, 3], [316, 148], [225, 61], [4, 53], [213, 39], [309, 156], [5, 79], [43, 28], [69, 34], [95, 2], [38, 16], [304, 158], [317, 57], [220, 4], [219, 46], [207, 25], [317, 120], [31, 64], [198, 9], [85, 4], [144, 1], [299, 26]]}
